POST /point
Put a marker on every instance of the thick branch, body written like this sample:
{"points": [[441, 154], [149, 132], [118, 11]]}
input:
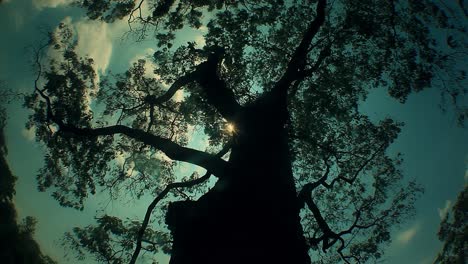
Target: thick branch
{"points": [[214, 88], [317, 215], [328, 234], [324, 53], [166, 190], [177, 85], [216, 91], [305, 197], [298, 60], [174, 151], [309, 187]]}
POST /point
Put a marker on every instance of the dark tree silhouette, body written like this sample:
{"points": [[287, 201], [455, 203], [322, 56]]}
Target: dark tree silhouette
{"points": [[453, 232], [299, 170], [17, 244]]}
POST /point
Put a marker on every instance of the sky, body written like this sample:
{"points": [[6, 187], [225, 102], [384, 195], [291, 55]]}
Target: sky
{"points": [[435, 148]]}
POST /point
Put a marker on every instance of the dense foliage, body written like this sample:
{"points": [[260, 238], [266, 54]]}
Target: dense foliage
{"points": [[453, 232], [127, 132]]}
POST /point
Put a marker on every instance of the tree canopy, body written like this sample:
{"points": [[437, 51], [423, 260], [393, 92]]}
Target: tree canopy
{"points": [[267, 67]]}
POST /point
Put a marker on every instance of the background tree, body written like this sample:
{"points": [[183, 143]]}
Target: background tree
{"points": [[299, 169], [453, 232], [17, 244]]}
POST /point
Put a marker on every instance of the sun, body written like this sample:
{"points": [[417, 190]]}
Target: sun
{"points": [[230, 128]]}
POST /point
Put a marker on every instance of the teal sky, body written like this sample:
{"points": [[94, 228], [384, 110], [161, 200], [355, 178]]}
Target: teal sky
{"points": [[435, 149]]}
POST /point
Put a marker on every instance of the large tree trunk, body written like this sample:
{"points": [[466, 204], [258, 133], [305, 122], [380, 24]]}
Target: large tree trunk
{"points": [[252, 215]]}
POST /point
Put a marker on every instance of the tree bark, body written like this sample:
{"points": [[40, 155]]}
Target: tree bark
{"points": [[252, 214]]}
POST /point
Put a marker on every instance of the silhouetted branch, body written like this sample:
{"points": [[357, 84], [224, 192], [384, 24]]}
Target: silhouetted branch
{"points": [[324, 53], [216, 91], [171, 149], [309, 187], [177, 85], [298, 60], [356, 173], [305, 197]]}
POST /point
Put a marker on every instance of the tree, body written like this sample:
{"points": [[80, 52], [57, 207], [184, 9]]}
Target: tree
{"points": [[454, 232], [17, 244], [299, 170]]}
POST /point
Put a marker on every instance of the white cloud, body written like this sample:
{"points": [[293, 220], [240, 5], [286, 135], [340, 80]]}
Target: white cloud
{"points": [[149, 71], [200, 40], [150, 66], [162, 156], [145, 10], [443, 212], [405, 236], [179, 96], [29, 134], [184, 169], [120, 159], [52, 52], [40, 4], [94, 41], [147, 53], [128, 167]]}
